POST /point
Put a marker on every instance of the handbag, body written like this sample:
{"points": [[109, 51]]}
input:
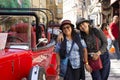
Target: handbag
{"points": [[95, 64], [63, 66], [112, 49]]}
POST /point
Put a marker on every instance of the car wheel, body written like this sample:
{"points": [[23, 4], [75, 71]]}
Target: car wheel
{"points": [[37, 73]]}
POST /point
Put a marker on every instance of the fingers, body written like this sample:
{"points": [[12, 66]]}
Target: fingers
{"points": [[58, 69], [88, 68], [60, 38], [95, 56]]}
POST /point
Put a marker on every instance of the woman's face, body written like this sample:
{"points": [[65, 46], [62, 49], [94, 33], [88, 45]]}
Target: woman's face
{"points": [[84, 27], [67, 30]]}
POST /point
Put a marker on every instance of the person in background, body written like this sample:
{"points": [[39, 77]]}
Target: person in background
{"points": [[89, 34], [33, 23], [73, 48], [114, 33], [98, 26], [105, 29]]}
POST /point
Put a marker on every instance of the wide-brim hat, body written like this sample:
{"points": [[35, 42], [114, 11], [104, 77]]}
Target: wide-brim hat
{"points": [[80, 21], [64, 22]]}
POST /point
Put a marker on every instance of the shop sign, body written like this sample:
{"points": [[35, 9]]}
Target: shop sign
{"points": [[3, 39]]}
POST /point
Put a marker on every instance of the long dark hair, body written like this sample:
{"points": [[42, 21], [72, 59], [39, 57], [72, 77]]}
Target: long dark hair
{"points": [[104, 25], [63, 43], [73, 33], [83, 33], [91, 46]]}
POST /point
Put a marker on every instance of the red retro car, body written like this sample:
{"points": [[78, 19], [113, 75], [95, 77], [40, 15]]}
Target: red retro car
{"points": [[26, 52]]}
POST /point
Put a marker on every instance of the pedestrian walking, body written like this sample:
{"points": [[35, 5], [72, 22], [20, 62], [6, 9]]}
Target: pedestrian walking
{"points": [[70, 53], [105, 29], [114, 33]]}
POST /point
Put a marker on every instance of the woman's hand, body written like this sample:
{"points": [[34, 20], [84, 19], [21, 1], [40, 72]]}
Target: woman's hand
{"points": [[60, 37], [58, 69], [96, 55], [88, 68], [58, 63]]}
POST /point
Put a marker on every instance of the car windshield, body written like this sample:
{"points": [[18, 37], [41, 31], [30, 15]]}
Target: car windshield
{"points": [[15, 32], [25, 28]]}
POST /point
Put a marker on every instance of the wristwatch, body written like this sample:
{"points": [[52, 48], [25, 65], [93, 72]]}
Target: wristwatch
{"points": [[85, 62]]}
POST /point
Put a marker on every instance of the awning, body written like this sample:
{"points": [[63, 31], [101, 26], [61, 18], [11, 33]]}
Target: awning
{"points": [[112, 1]]}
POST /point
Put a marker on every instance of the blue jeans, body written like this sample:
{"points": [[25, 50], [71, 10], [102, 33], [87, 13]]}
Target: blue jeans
{"points": [[109, 40], [116, 45], [103, 73]]}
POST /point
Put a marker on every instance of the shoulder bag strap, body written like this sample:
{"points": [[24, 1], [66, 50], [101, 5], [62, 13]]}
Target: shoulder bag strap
{"points": [[70, 48]]}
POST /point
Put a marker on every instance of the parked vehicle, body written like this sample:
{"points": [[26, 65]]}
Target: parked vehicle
{"points": [[24, 53]]}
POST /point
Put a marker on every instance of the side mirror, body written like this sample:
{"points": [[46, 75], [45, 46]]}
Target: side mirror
{"points": [[42, 40]]}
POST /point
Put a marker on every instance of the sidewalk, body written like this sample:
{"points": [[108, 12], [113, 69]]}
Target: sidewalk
{"points": [[114, 71]]}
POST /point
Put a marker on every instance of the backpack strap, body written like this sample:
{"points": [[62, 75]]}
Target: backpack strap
{"points": [[63, 49], [70, 49], [63, 52], [77, 39]]}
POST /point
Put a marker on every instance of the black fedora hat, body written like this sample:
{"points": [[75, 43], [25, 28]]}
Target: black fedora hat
{"points": [[64, 22], [80, 21]]}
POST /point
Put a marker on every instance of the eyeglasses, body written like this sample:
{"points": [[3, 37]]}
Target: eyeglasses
{"points": [[67, 27]]}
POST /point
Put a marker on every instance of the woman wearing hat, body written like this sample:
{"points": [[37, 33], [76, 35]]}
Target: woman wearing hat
{"points": [[89, 34], [96, 43], [70, 53]]}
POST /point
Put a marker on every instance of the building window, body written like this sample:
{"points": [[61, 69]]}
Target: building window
{"points": [[51, 1], [59, 1], [59, 11]]}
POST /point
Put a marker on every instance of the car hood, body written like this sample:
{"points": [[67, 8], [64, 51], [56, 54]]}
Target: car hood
{"points": [[12, 53]]}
